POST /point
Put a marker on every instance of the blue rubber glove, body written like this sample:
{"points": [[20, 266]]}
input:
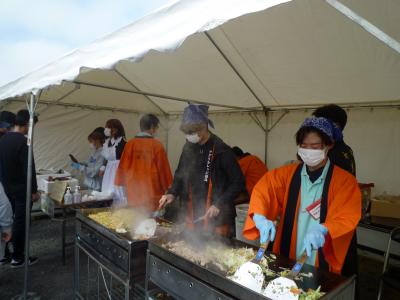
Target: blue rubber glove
{"points": [[75, 165], [266, 228], [315, 238]]}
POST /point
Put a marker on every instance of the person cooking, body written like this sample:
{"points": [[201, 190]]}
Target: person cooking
{"points": [[319, 204], [144, 169], [112, 152], [91, 169], [252, 167], [208, 177]]}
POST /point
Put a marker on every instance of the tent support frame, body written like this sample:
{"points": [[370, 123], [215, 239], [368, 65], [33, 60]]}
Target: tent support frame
{"points": [[145, 93], [279, 119], [257, 121], [369, 27], [266, 113], [56, 102], [33, 100], [136, 88], [234, 69]]}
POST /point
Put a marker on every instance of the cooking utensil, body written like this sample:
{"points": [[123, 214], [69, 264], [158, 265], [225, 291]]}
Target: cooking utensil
{"points": [[146, 228], [156, 214], [199, 219], [280, 288], [73, 158], [250, 273]]}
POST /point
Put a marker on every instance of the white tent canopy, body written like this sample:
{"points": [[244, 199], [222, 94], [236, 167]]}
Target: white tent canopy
{"points": [[303, 52], [239, 57]]}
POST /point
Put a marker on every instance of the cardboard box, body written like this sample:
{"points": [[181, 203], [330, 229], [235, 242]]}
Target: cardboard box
{"points": [[388, 207]]}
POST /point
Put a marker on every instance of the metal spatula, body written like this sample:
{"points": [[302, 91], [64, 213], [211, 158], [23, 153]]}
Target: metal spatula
{"points": [[280, 288], [250, 273]]}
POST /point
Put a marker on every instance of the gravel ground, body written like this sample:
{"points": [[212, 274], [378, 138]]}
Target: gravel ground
{"points": [[51, 280], [48, 277]]}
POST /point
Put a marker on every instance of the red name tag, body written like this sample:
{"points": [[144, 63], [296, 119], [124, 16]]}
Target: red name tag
{"points": [[315, 209]]}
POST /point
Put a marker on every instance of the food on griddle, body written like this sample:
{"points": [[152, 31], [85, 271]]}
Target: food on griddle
{"points": [[311, 294], [226, 259], [118, 220]]}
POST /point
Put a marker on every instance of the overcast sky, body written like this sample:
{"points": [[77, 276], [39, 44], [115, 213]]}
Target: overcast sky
{"points": [[36, 32]]}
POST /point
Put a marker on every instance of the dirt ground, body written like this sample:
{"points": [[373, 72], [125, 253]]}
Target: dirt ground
{"points": [[49, 279]]}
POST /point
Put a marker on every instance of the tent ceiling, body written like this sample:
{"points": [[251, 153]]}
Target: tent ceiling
{"points": [[300, 53]]}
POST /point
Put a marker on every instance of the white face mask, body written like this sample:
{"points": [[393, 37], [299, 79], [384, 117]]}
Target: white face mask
{"points": [[107, 132], [312, 157], [193, 138]]}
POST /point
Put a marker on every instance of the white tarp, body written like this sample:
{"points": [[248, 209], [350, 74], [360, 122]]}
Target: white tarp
{"points": [[303, 52], [297, 53]]}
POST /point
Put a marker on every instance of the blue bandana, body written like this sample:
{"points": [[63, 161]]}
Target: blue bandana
{"points": [[4, 124], [196, 114], [322, 124], [337, 133]]}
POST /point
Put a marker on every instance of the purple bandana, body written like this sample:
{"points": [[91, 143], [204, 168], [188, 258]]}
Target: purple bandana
{"points": [[196, 114], [319, 123]]}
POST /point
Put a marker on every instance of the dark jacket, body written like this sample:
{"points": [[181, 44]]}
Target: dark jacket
{"points": [[342, 156], [226, 177], [14, 165]]}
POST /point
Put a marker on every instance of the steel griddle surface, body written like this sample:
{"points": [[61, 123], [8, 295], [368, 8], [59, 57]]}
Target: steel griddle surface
{"points": [[216, 278]]}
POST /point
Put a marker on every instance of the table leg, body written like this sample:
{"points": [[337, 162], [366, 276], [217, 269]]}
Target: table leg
{"points": [[63, 232]]}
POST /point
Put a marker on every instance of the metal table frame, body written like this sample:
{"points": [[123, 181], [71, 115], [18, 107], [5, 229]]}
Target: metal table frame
{"points": [[120, 261], [68, 213]]}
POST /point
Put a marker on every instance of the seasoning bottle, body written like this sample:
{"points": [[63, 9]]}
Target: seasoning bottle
{"points": [[77, 194], [68, 198]]}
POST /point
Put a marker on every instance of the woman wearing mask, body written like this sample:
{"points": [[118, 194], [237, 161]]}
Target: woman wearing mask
{"points": [[319, 204], [91, 169], [208, 178], [112, 152]]}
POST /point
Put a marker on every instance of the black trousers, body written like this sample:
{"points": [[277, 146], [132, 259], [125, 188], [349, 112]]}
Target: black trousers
{"points": [[350, 266], [18, 203]]}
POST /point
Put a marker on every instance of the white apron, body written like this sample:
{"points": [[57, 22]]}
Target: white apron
{"points": [[109, 153]]}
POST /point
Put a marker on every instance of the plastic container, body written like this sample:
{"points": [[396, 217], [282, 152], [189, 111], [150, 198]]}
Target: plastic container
{"points": [[77, 195], [241, 211], [68, 197]]}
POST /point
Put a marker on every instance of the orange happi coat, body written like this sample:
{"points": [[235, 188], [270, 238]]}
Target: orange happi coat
{"points": [[253, 169], [144, 171], [270, 197]]}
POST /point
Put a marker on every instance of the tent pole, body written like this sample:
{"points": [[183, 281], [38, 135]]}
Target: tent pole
{"points": [[32, 106], [266, 113], [179, 99], [371, 28], [135, 87], [234, 69], [55, 102], [257, 121], [167, 139]]}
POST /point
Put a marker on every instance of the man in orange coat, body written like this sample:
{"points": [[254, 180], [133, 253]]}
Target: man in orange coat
{"points": [[144, 169], [319, 204], [252, 168]]}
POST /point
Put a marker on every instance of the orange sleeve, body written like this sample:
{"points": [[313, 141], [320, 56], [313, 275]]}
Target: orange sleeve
{"points": [[344, 213], [124, 164], [163, 168], [267, 199]]}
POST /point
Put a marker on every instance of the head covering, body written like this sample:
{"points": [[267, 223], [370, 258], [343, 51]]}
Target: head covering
{"points": [[321, 124], [196, 114], [7, 119], [337, 133]]}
